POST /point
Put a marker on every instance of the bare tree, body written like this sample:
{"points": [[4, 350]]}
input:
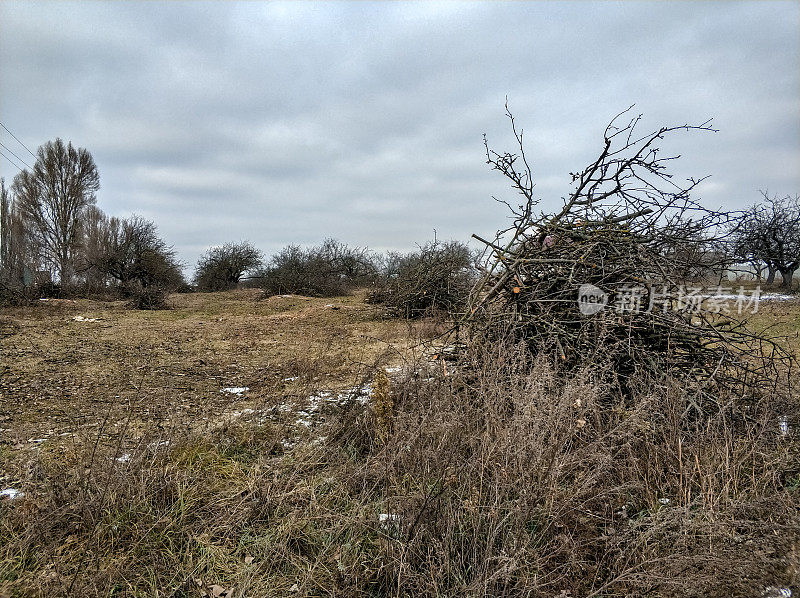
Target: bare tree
{"points": [[5, 229], [18, 264], [96, 243], [769, 236], [52, 197], [131, 252], [221, 268], [746, 246]]}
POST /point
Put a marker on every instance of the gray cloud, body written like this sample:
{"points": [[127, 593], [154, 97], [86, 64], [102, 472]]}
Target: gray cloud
{"points": [[288, 122]]}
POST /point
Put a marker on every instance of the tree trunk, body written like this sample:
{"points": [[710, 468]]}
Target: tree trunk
{"points": [[770, 274], [64, 270], [788, 275], [759, 271]]}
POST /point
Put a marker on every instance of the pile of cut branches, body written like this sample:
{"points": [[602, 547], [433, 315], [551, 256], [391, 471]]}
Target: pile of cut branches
{"points": [[619, 275]]}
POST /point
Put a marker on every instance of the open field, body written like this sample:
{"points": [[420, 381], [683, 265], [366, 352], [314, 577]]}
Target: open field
{"points": [[86, 385], [70, 367], [63, 375], [218, 448]]}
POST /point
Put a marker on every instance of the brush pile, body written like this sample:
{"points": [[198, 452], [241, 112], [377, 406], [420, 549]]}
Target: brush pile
{"points": [[618, 277]]}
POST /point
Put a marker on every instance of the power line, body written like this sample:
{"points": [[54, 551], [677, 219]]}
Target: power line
{"points": [[18, 141], [8, 149], [10, 160]]}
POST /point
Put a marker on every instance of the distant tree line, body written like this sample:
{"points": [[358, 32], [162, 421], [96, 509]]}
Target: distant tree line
{"points": [[436, 277], [54, 240], [767, 238]]}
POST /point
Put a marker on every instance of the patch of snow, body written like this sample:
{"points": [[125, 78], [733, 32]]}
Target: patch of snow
{"points": [[247, 411], [393, 370], [124, 458], [386, 518], [292, 379], [311, 412], [11, 493], [315, 403], [390, 522], [82, 319], [235, 390], [360, 394]]}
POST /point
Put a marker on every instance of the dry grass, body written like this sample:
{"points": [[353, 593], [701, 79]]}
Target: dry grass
{"points": [[498, 479], [61, 376]]}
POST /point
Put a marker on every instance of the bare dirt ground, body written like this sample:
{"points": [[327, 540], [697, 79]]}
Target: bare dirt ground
{"points": [[79, 368]]}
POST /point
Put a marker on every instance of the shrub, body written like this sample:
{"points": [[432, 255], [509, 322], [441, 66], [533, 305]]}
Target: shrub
{"points": [[221, 268], [327, 270], [437, 277], [149, 297]]}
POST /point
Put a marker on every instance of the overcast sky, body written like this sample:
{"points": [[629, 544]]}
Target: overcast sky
{"points": [[289, 122]]}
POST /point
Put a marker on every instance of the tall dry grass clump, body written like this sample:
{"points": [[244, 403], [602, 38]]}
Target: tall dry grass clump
{"points": [[506, 479], [382, 403]]}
